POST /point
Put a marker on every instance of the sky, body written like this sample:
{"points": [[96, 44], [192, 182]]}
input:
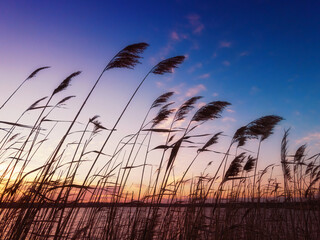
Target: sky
{"points": [[261, 56]]}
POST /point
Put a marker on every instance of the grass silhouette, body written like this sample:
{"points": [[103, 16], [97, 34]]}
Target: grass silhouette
{"points": [[237, 201]]}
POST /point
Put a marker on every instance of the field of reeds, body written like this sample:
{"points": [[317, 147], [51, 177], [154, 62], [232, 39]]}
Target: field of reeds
{"points": [[235, 201]]}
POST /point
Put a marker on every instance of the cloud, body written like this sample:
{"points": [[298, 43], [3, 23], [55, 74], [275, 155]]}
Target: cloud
{"points": [[178, 36], [204, 76], [228, 119], [177, 89], [230, 110], [159, 84], [195, 45], [297, 113], [166, 50], [294, 78], [245, 53], [199, 29], [153, 61], [215, 94], [195, 90], [225, 44], [311, 137], [195, 67], [201, 104], [175, 36], [195, 23], [226, 63], [254, 90]]}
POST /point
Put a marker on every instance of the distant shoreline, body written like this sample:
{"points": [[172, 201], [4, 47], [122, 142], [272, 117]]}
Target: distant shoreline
{"points": [[315, 205]]}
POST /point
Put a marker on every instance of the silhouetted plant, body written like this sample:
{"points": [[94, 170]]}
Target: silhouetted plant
{"points": [[49, 201]]}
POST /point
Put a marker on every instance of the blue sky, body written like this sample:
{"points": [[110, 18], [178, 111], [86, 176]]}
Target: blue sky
{"points": [[261, 56]]}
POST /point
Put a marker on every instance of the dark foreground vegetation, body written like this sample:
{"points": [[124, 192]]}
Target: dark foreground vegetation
{"points": [[235, 201]]}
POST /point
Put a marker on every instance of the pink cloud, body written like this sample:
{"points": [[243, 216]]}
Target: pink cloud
{"points": [[201, 104], [195, 90], [228, 119], [199, 29], [312, 137], [254, 90], [215, 94], [297, 113], [153, 61], [204, 76], [195, 23], [177, 89], [166, 50], [226, 63], [159, 84], [175, 36], [195, 67], [225, 44], [245, 53], [184, 36]]}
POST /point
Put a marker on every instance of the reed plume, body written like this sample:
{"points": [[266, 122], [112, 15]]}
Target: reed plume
{"points": [[65, 83], [32, 75], [48, 202], [35, 104], [234, 168], [185, 108], [167, 65], [128, 57], [162, 115], [284, 162], [209, 111], [249, 166], [211, 141], [263, 126], [162, 99], [300, 154]]}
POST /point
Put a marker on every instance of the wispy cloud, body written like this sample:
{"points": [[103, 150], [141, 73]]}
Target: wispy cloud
{"points": [[215, 94], [204, 76], [297, 113], [159, 84], [310, 138], [228, 119], [195, 67], [230, 110], [254, 90], [244, 53], [195, 45], [153, 61], [226, 63], [201, 104], [195, 90], [177, 89], [196, 24], [174, 35], [225, 44], [166, 50]]}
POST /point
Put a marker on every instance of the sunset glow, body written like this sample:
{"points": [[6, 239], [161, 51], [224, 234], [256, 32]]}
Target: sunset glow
{"points": [[122, 108]]}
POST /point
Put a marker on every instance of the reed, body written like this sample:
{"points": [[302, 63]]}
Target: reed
{"points": [[138, 192]]}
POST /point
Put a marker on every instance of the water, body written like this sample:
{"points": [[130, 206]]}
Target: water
{"points": [[169, 223]]}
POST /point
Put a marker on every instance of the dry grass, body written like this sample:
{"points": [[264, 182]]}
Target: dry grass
{"points": [[236, 201]]}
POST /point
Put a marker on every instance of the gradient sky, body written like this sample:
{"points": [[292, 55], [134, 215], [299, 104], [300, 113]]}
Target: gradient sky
{"points": [[261, 56]]}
